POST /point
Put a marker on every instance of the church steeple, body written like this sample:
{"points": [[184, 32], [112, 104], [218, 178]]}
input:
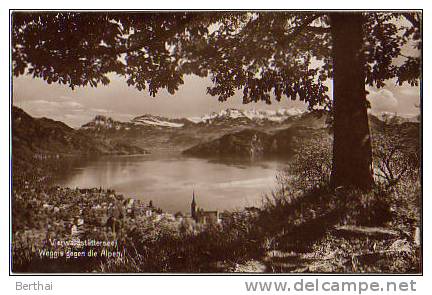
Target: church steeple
{"points": [[193, 205]]}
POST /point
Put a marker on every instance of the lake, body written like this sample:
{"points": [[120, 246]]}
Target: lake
{"points": [[169, 180]]}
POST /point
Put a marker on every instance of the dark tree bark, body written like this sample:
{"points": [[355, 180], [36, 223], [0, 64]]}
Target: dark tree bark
{"points": [[352, 151]]}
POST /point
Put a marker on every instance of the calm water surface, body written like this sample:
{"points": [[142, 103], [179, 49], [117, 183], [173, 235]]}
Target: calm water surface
{"points": [[169, 180]]}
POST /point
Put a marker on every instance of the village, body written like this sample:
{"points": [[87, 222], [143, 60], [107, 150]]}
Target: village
{"points": [[50, 215]]}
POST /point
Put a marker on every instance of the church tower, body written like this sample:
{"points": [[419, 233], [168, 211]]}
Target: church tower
{"points": [[193, 206]]}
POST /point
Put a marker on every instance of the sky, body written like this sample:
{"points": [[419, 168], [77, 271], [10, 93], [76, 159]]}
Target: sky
{"points": [[121, 102]]}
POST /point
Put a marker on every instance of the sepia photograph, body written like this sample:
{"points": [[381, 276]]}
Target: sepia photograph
{"points": [[216, 141]]}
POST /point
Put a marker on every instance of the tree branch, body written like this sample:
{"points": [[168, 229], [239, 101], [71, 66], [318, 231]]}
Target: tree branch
{"points": [[298, 30], [412, 19], [318, 30]]}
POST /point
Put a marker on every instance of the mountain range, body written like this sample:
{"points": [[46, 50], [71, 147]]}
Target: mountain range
{"points": [[231, 132], [160, 134], [228, 117], [224, 117]]}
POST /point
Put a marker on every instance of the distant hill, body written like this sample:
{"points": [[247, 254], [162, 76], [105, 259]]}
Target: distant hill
{"points": [[100, 123], [254, 144], [42, 137]]}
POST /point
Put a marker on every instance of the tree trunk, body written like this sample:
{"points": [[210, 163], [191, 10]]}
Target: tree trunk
{"points": [[352, 151]]}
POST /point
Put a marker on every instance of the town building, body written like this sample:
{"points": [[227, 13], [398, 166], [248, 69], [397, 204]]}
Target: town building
{"points": [[203, 217]]}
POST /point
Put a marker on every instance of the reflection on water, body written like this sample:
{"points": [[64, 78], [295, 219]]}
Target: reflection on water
{"points": [[169, 181]]}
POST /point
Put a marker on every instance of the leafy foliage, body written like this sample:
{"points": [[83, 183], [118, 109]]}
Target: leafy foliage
{"points": [[267, 54], [311, 167]]}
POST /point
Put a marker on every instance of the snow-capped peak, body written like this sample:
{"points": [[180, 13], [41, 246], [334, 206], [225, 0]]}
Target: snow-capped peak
{"points": [[227, 116], [155, 121], [253, 115]]}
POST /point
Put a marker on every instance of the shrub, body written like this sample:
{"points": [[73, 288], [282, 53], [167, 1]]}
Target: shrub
{"points": [[310, 168], [396, 155]]}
